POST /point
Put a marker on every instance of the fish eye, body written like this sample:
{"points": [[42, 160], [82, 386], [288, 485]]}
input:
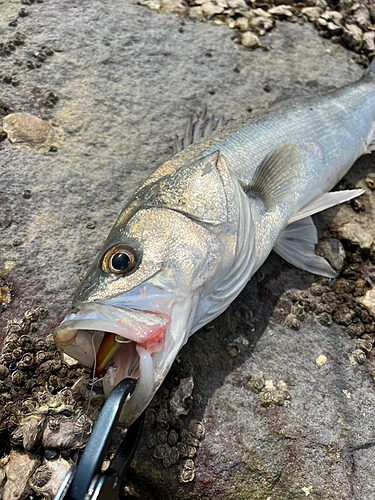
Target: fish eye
{"points": [[119, 259]]}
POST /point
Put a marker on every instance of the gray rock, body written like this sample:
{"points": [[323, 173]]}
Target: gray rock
{"points": [[128, 79]]}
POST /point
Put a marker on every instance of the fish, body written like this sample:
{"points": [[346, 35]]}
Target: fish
{"points": [[196, 231]]}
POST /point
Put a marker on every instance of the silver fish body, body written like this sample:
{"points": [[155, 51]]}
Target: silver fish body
{"points": [[193, 235]]}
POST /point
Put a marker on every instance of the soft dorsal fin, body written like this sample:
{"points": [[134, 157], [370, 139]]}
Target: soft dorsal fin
{"points": [[296, 244], [324, 201], [274, 176]]}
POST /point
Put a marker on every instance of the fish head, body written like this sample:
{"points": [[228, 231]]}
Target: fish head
{"points": [[137, 305]]}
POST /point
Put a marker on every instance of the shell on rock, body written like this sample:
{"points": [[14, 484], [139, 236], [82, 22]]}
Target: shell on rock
{"points": [[47, 478], [73, 432]]}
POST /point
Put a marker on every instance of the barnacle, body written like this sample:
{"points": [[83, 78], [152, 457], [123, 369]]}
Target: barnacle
{"points": [[292, 321], [162, 436], [172, 437], [161, 451], [40, 477], [174, 454], [196, 428], [82, 426], [359, 356], [187, 472]]}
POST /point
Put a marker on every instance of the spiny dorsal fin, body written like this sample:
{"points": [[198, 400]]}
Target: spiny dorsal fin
{"points": [[274, 175]]}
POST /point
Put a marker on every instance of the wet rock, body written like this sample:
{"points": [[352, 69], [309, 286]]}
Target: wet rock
{"points": [[332, 250], [118, 130]]}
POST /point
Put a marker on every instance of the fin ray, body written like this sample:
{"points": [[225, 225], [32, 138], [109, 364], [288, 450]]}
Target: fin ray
{"points": [[296, 245], [326, 200], [274, 175]]}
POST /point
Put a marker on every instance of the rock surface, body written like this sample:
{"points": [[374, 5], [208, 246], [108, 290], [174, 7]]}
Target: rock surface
{"points": [[120, 81]]}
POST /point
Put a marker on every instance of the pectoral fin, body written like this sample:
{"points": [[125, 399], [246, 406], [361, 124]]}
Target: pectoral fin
{"points": [[296, 244], [326, 200], [274, 177]]}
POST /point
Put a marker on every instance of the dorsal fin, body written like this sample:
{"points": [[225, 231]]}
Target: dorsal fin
{"points": [[274, 176]]}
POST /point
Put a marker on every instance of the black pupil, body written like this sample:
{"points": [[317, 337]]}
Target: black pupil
{"points": [[120, 261]]}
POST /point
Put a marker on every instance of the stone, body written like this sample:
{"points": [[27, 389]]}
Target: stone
{"points": [[332, 250], [176, 6], [261, 24], [196, 13], [362, 17], [250, 40], [312, 13], [280, 11], [210, 9], [368, 41], [242, 23], [352, 36], [238, 5]]}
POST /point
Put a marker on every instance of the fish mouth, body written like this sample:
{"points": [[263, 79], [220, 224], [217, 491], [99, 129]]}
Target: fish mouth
{"points": [[101, 335], [136, 335]]}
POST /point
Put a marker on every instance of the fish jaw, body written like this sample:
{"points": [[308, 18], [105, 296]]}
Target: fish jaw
{"points": [[149, 340]]}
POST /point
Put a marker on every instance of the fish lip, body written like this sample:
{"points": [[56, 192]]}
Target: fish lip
{"points": [[87, 319]]}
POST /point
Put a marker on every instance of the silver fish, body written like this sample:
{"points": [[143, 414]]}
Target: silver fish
{"points": [[197, 230]]}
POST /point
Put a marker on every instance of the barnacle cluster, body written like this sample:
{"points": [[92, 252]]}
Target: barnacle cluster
{"points": [[43, 420], [173, 438], [341, 301], [268, 394]]}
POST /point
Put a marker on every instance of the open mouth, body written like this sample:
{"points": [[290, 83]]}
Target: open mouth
{"points": [[137, 334], [103, 336]]}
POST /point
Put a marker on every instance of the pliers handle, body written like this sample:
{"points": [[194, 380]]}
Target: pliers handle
{"points": [[85, 481]]}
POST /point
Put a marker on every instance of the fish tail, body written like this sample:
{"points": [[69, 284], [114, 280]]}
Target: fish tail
{"points": [[370, 71]]}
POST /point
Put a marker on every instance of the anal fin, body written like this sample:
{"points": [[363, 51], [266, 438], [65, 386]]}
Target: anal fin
{"points": [[296, 244]]}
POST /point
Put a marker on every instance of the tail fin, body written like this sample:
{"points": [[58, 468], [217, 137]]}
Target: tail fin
{"points": [[370, 71]]}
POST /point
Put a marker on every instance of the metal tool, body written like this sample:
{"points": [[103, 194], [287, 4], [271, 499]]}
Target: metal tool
{"points": [[85, 481]]}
